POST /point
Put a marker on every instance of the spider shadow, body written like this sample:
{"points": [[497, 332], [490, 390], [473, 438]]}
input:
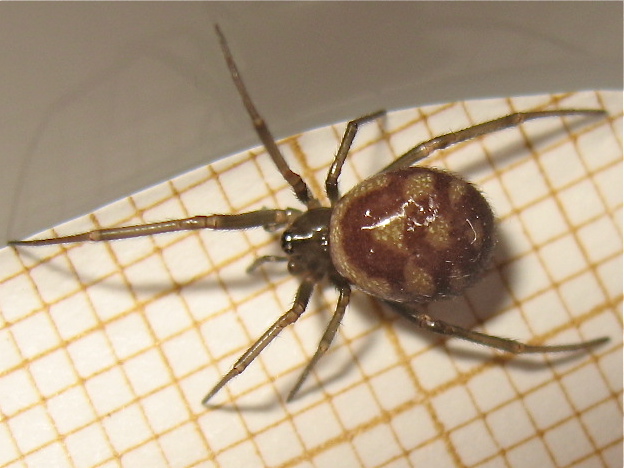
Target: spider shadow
{"points": [[149, 287], [518, 149], [332, 368]]}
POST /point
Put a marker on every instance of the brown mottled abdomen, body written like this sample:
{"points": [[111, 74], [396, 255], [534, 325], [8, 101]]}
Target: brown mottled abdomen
{"points": [[414, 234]]}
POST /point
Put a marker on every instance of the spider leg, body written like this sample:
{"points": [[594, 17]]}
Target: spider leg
{"points": [[326, 339], [216, 222], [302, 191], [504, 344], [331, 183], [443, 141], [301, 302], [265, 259]]}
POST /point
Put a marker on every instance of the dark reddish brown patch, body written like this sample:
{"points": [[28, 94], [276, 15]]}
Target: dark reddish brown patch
{"points": [[448, 237]]}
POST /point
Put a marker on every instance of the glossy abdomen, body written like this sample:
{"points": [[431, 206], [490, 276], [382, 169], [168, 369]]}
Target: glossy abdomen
{"points": [[414, 234]]}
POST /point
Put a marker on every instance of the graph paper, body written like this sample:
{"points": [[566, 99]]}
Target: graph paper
{"points": [[106, 349]]}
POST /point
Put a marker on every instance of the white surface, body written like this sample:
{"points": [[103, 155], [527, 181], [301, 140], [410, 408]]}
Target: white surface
{"points": [[107, 349], [99, 100]]}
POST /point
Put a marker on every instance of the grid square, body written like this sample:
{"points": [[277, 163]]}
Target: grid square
{"points": [[433, 454], [393, 388], [454, 407], [543, 221], [183, 446], [53, 372], [17, 391], [531, 453], [558, 441], [21, 427], [147, 271], [107, 306], [358, 397], [317, 426], [471, 453], [382, 353], [342, 452], [165, 410], [127, 428], [514, 241], [610, 367], [185, 353], [148, 454], [183, 267], [12, 265], [409, 130], [18, 298], [597, 146], [510, 424], [366, 159], [414, 426], [610, 276], [278, 444], [167, 316], [545, 312], [53, 283], [490, 389], [51, 455], [91, 354], [72, 316], [496, 195], [246, 451], [89, 446], [525, 183], [574, 293], [224, 335], [581, 202], [376, 445], [583, 387], [70, 410], [109, 391], [35, 335], [129, 335], [604, 424], [232, 430], [600, 239], [563, 258], [243, 176], [9, 352], [561, 165], [117, 212], [606, 183], [433, 368], [8, 450], [539, 405], [530, 279], [147, 372], [130, 252], [92, 262]]}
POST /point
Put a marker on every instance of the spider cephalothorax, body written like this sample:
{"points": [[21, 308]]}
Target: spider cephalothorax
{"points": [[405, 235]]}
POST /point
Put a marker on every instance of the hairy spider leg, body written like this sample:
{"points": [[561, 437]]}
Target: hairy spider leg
{"points": [[326, 339], [424, 149], [299, 306], [331, 183], [217, 222], [302, 192], [504, 344]]}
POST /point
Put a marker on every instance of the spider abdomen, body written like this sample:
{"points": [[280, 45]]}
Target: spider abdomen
{"points": [[413, 234]]}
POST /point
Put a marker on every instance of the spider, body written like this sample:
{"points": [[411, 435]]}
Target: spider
{"points": [[407, 235]]}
